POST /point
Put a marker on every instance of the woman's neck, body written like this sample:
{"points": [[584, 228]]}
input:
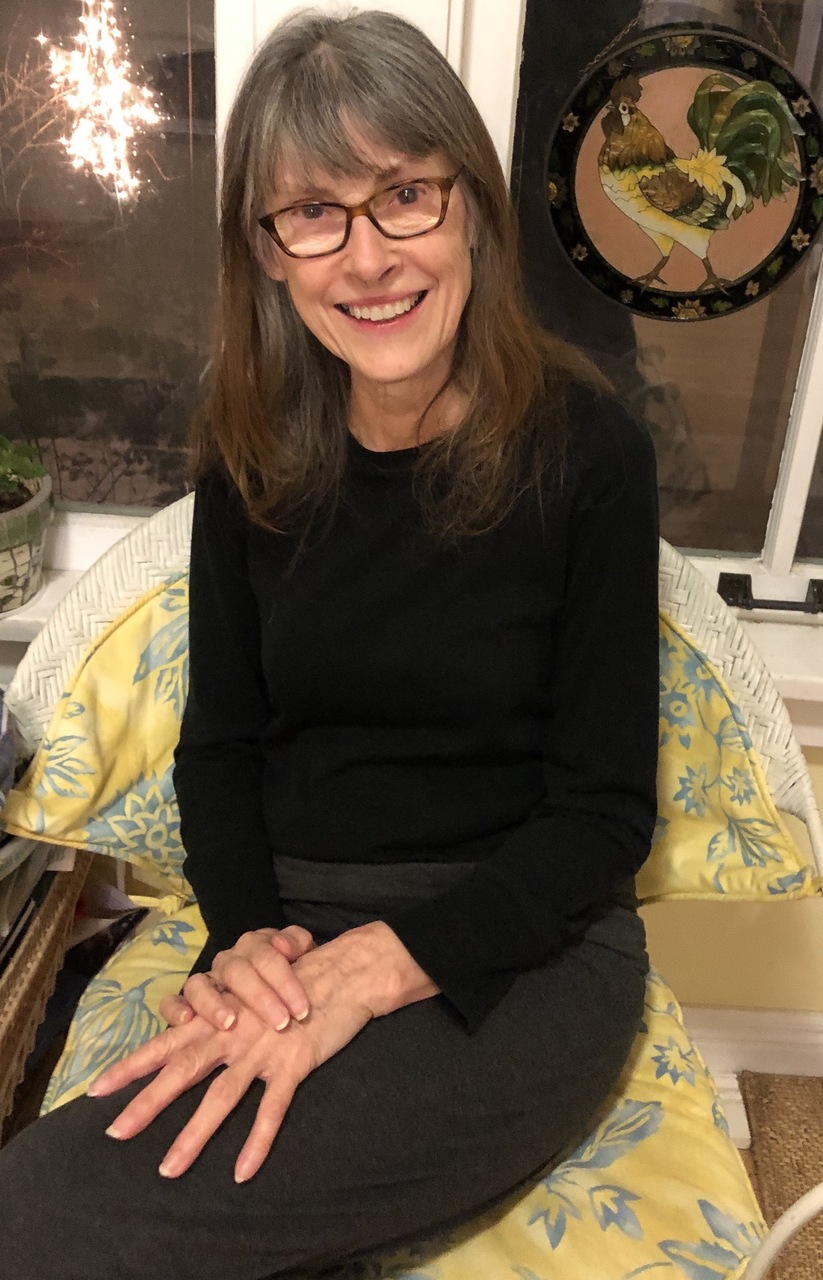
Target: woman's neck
{"points": [[383, 418]]}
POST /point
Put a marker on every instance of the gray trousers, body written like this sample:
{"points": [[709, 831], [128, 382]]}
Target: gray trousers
{"points": [[412, 1128]]}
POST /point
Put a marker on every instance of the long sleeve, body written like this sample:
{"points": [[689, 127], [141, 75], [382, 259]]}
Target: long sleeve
{"points": [[592, 829], [219, 761]]}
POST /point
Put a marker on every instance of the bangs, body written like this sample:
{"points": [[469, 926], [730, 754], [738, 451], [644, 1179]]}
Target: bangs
{"points": [[331, 120]]}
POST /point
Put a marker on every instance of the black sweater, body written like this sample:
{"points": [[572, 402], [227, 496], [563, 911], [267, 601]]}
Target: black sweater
{"points": [[395, 699]]}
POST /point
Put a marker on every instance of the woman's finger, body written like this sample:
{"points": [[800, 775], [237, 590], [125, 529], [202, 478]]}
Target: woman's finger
{"points": [[205, 996], [176, 1010], [293, 941], [149, 1057], [270, 1114], [219, 1100], [187, 1068], [266, 984]]}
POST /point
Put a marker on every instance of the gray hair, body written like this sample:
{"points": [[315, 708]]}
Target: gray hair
{"points": [[318, 87]]}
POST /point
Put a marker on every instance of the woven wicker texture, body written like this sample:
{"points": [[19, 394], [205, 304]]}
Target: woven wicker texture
{"points": [[29, 980], [786, 1119], [687, 597], [143, 558]]}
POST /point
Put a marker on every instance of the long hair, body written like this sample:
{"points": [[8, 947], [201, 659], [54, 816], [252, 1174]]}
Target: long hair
{"points": [[277, 411]]}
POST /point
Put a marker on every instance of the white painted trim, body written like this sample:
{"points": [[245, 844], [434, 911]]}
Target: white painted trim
{"points": [[20, 626], [77, 538], [735, 1109], [808, 42], [791, 585], [455, 45], [779, 1041], [493, 51], [802, 443], [234, 40]]}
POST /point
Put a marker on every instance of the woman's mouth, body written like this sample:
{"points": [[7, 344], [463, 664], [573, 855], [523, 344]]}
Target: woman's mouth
{"points": [[387, 313]]}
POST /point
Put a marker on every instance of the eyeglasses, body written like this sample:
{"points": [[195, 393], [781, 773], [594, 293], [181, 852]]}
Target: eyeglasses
{"points": [[316, 228]]}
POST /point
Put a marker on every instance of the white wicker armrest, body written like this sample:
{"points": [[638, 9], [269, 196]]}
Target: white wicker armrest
{"points": [[149, 555], [686, 596], [787, 1226]]}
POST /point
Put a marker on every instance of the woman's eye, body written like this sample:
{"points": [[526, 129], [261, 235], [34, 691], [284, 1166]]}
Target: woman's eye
{"points": [[408, 195], [310, 212]]}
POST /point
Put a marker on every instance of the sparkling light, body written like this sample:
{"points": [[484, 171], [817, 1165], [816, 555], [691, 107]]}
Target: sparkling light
{"points": [[107, 107]]}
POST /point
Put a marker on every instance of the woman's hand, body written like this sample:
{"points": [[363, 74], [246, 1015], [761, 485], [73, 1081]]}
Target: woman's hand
{"points": [[363, 973], [183, 1056], [258, 969]]}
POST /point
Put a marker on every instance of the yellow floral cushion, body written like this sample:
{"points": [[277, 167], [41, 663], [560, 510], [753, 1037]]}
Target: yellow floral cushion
{"points": [[102, 778], [658, 1186], [718, 831]]}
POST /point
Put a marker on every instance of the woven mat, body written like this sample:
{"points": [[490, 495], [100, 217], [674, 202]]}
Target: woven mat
{"points": [[786, 1119]]}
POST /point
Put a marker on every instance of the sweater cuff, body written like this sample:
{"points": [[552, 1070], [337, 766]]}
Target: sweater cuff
{"points": [[451, 943]]}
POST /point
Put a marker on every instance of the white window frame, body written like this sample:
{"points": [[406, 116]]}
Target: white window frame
{"points": [[483, 40]]}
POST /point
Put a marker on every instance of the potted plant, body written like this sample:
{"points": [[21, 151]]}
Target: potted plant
{"points": [[25, 513]]}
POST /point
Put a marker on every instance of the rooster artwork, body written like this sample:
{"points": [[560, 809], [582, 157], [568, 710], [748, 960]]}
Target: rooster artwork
{"points": [[746, 153]]}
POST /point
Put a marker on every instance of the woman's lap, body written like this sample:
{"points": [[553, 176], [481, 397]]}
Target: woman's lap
{"points": [[413, 1125]]}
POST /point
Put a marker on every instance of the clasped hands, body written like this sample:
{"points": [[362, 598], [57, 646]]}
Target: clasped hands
{"points": [[274, 1008]]}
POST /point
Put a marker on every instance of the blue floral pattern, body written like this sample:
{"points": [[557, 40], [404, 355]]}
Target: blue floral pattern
{"points": [[611, 1198], [717, 829], [145, 820], [166, 656]]}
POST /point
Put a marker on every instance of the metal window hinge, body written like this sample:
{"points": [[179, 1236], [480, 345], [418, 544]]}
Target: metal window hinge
{"points": [[736, 590]]}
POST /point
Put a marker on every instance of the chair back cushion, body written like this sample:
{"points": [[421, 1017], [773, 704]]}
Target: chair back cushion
{"points": [[101, 779]]}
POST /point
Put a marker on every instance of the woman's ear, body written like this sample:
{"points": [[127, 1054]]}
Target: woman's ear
{"points": [[265, 251], [271, 263]]}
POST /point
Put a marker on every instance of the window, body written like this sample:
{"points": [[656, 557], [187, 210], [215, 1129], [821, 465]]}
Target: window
{"points": [[106, 297], [718, 395]]}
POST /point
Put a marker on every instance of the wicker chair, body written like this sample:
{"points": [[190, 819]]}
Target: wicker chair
{"points": [[29, 980], [159, 549]]}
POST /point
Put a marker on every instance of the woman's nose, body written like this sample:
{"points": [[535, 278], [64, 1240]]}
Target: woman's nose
{"points": [[369, 253]]}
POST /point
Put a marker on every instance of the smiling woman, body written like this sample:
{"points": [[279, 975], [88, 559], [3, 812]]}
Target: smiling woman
{"points": [[411, 242], [413, 855]]}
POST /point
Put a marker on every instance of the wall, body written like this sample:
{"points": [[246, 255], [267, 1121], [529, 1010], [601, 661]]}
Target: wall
{"points": [[750, 955]]}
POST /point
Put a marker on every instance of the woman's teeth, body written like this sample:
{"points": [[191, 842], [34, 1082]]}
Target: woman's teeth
{"points": [[388, 311]]}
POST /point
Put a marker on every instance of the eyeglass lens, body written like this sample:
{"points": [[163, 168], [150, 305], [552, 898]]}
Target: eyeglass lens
{"points": [[312, 229]]}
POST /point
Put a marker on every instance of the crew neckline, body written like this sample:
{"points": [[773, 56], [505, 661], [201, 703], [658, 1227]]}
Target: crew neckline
{"points": [[385, 459]]}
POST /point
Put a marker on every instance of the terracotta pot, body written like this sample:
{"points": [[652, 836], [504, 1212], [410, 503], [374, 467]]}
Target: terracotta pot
{"points": [[22, 539]]}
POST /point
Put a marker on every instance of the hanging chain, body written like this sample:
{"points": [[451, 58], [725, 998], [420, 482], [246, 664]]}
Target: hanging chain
{"points": [[770, 27], [630, 26], [604, 53]]}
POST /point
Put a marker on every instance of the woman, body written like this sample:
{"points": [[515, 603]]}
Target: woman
{"points": [[416, 769]]}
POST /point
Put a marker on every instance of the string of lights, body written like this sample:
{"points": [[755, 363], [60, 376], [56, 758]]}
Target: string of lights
{"points": [[108, 110]]}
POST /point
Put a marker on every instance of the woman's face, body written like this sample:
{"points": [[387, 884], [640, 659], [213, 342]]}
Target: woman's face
{"points": [[413, 351]]}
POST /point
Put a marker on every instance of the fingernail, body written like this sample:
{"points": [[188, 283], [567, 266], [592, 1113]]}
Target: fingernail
{"points": [[301, 1017], [228, 1020], [240, 1175], [114, 1131], [169, 1168], [92, 1090], [281, 1026]]}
